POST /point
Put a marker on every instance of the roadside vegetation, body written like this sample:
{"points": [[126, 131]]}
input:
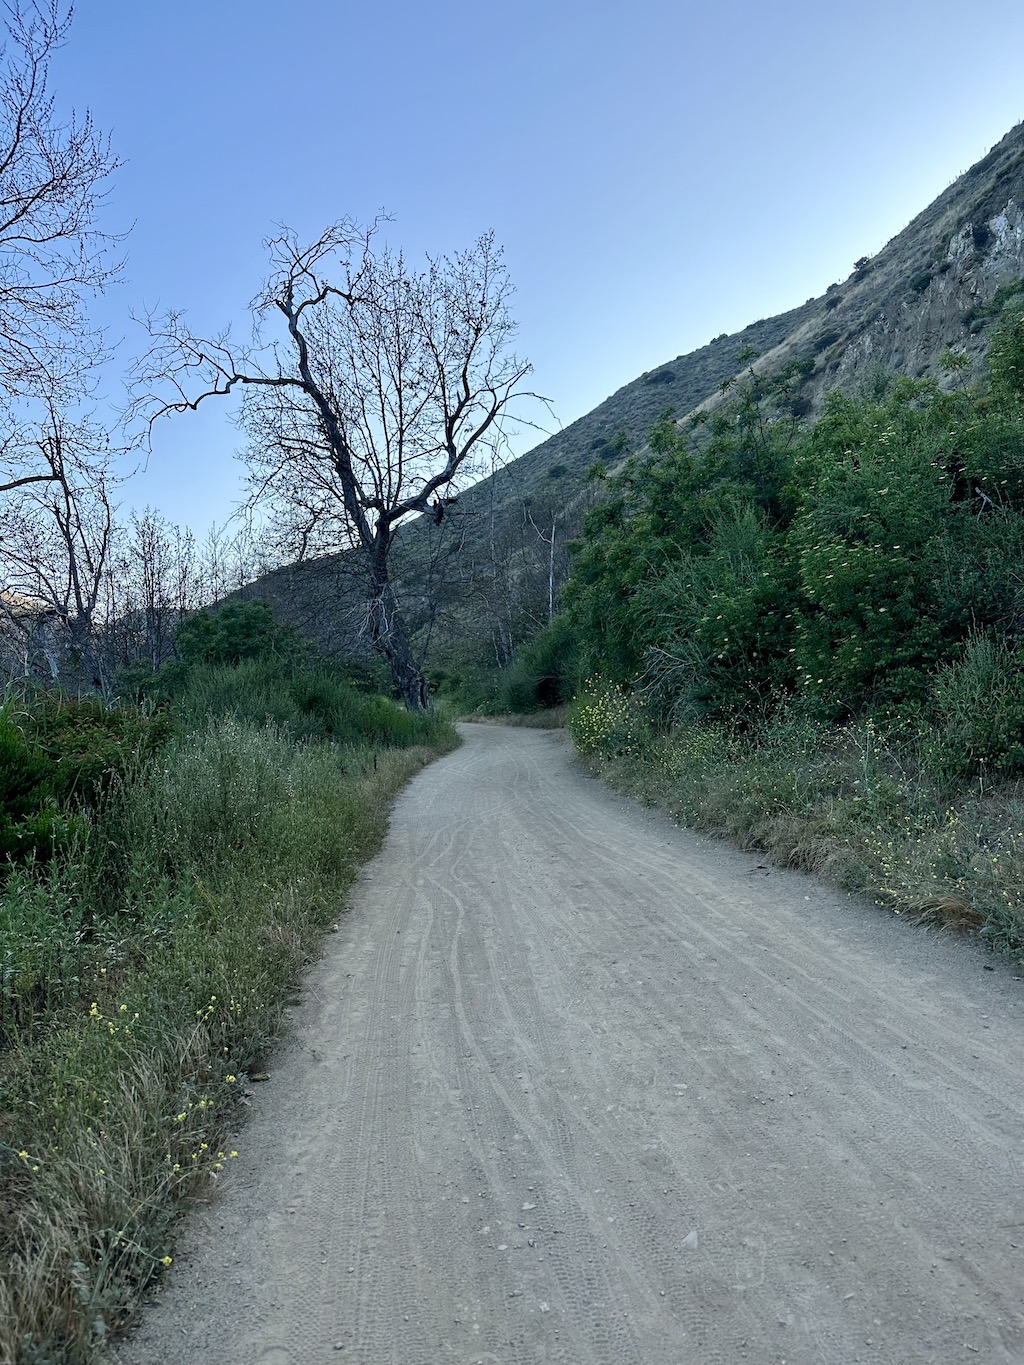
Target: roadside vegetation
{"points": [[808, 637], [170, 866]]}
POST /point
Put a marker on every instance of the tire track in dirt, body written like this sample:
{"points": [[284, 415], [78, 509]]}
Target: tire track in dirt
{"points": [[572, 1085]]}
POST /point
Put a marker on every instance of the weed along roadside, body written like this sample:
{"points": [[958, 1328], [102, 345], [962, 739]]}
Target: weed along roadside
{"points": [[155, 914], [846, 804]]}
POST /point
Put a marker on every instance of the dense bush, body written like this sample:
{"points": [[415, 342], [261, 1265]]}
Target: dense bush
{"points": [[545, 672], [846, 565], [978, 702], [605, 722], [236, 632], [237, 661], [57, 756], [310, 702]]}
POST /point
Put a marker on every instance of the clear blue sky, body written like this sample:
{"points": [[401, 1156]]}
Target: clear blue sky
{"points": [[658, 172]]}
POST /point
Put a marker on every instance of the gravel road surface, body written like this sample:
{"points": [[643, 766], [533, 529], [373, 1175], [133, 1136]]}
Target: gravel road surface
{"points": [[573, 1085]]}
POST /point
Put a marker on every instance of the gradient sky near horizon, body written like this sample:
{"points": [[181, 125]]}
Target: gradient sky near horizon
{"points": [[658, 173]]}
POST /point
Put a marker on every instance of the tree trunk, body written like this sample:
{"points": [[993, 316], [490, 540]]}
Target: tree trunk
{"points": [[387, 630], [551, 572]]}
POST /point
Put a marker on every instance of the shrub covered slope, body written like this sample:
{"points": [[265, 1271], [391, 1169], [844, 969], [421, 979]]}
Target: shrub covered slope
{"points": [[811, 637]]}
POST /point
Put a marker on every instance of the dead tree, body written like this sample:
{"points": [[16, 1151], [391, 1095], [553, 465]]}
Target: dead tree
{"points": [[53, 254], [384, 391], [154, 579], [55, 544]]}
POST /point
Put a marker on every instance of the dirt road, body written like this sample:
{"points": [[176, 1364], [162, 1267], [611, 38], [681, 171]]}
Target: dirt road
{"points": [[573, 1085]]}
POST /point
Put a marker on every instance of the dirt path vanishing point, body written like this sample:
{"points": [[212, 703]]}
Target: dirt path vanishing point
{"points": [[574, 1085]]}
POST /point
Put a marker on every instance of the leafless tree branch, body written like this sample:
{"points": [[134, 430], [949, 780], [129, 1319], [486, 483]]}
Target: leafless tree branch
{"points": [[388, 391]]}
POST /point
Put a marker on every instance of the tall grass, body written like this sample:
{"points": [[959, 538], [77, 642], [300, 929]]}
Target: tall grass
{"points": [[304, 702], [143, 976]]}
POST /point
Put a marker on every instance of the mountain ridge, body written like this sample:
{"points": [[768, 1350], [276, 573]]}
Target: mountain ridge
{"points": [[933, 288]]}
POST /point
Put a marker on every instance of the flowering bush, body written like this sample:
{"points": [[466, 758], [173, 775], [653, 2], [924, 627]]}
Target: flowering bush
{"points": [[607, 722]]}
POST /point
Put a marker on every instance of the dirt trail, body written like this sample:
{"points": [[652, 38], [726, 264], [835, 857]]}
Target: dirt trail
{"points": [[574, 1085]]}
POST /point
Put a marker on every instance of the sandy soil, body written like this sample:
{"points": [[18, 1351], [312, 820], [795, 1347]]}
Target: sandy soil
{"points": [[574, 1085]]}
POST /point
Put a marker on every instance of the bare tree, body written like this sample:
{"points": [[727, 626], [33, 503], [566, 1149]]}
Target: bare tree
{"points": [[154, 578], [385, 390], [55, 542], [56, 518], [53, 253], [148, 563]]}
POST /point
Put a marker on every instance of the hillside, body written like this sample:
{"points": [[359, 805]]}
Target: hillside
{"points": [[934, 287], [926, 291]]}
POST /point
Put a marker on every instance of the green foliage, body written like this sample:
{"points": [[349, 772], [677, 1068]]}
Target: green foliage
{"points": [[876, 521], [744, 560], [696, 517], [954, 362], [979, 709], [235, 633], [57, 756], [545, 672], [314, 702], [24, 771], [677, 503], [720, 619], [1006, 354], [237, 661]]}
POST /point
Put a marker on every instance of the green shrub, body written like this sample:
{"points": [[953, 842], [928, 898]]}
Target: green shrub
{"points": [[236, 632], [57, 756], [720, 621], [305, 702], [24, 782], [979, 708], [1006, 354], [546, 672]]}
